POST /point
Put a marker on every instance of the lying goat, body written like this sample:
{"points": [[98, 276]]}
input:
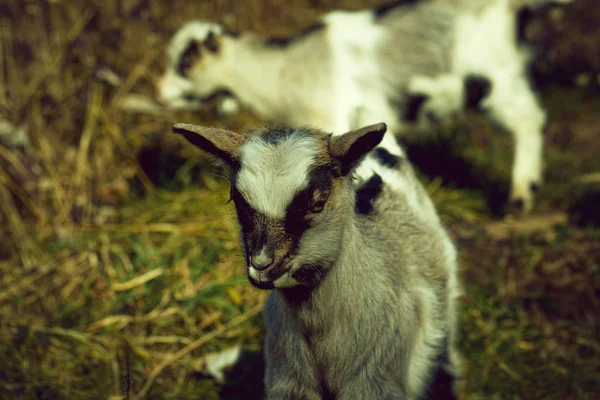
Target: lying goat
{"points": [[404, 63], [364, 275]]}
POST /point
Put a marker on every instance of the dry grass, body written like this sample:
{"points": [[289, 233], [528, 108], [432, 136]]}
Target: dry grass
{"points": [[119, 261]]}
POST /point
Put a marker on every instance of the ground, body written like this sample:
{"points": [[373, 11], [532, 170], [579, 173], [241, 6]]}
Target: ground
{"points": [[119, 262]]}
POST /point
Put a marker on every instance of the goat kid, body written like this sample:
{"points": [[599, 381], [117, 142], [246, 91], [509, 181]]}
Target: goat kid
{"points": [[362, 273], [407, 63]]}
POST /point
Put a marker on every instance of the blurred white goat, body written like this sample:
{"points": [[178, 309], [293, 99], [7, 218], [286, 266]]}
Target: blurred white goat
{"points": [[407, 63]]}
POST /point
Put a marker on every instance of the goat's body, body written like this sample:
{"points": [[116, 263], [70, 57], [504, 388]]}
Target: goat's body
{"points": [[384, 319], [363, 274]]}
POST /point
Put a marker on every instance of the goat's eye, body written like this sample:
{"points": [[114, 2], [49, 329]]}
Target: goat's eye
{"points": [[317, 206], [188, 58]]}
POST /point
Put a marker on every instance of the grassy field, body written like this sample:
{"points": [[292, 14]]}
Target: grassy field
{"points": [[120, 268]]}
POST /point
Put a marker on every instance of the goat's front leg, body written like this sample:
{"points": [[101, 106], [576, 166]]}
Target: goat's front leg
{"points": [[363, 387], [289, 366], [288, 379], [513, 104]]}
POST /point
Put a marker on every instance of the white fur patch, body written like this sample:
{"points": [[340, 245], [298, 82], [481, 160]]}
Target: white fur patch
{"points": [[254, 273], [170, 89], [446, 95], [353, 38], [228, 107], [272, 174], [485, 45]]}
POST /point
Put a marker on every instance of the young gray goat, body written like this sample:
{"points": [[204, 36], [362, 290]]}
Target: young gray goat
{"points": [[405, 63], [363, 274]]}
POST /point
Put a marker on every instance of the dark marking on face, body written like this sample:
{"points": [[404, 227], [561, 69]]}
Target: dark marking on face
{"points": [[367, 194], [285, 41], [281, 237], [188, 58], [441, 380], [384, 9], [413, 107], [298, 215], [477, 88], [524, 17], [386, 158], [211, 42]]}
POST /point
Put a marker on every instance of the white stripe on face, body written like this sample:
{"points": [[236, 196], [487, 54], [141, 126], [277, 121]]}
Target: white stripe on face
{"points": [[272, 174]]}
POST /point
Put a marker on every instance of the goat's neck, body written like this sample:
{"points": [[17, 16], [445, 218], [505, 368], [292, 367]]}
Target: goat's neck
{"points": [[253, 75], [346, 287]]}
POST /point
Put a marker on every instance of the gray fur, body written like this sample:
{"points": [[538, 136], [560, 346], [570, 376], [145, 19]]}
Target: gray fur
{"points": [[385, 308], [357, 333]]}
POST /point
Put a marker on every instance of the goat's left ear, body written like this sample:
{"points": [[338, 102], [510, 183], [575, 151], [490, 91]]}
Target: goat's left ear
{"points": [[221, 143], [352, 146]]}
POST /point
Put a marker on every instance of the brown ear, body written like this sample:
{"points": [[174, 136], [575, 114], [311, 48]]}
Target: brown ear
{"points": [[351, 147], [219, 142]]}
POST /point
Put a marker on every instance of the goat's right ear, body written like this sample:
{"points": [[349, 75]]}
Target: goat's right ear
{"points": [[352, 146], [221, 143]]}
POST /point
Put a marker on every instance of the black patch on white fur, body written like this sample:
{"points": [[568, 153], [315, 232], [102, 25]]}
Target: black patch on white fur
{"points": [[413, 107], [188, 57], [247, 217], [386, 158], [477, 88], [210, 97], [285, 41], [386, 8], [534, 187], [297, 219], [259, 230], [232, 33], [441, 381], [367, 194], [211, 43]]}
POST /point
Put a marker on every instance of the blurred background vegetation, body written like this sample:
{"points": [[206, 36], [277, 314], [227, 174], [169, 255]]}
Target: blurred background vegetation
{"points": [[120, 268]]}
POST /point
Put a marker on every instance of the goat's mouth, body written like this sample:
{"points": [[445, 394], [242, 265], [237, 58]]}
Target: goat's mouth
{"points": [[272, 277], [209, 97]]}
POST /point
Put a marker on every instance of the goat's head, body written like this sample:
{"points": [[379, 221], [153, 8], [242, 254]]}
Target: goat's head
{"points": [[195, 62], [293, 195]]}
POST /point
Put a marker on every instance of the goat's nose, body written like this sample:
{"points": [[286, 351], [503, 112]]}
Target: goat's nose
{"points": [[261, 261]]}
